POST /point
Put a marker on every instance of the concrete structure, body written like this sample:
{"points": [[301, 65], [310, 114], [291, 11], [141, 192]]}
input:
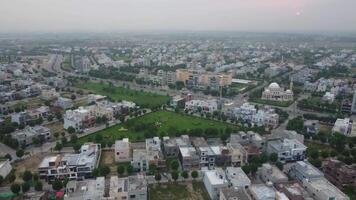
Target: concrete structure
{"points": [[29, 134], [322, 189], [64, 103], [234, 194], [342, 126], [270, 173], [201, 105], [140, 160], [122, 150], [137, 188], [275, 93], [266, 117], [214, 180], [303, 170], [340, 174], [237, 178], [85, 190], [189, 158], [5, 168], [262, 192], [287, 149], [171, 145], [72, 166], [246, 112]]}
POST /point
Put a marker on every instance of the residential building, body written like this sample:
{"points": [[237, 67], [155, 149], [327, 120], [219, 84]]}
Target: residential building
{"points": [[237, 177], [270, 173], [294, 190], [50, 94], [140, 160], [5, 168], [119, 188], [287, 149], [234, 194], [304, 170], [321, 189], [137, 188], [275, 93], [208, 106], [122, 150], [329, 97], [171, 145], [64, 103], [214, 181], [267, 118], [248, 138], [353, 107], [246, 112], [342, 126], [72, 166], [85, 190], [154, 153], [189, 158], [29, 134], [262, 192], [312, 127], [340, 174], [237, 153]]}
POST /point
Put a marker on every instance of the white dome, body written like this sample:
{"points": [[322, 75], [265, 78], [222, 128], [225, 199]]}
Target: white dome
{"points": [[273, 85]]}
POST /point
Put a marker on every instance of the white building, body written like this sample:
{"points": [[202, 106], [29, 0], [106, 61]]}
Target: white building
{"points": [[262, 192], [275, 93], [49, 94], [270, 173], [140, 160], [202, 105], [246, 112], [214, 180], [5, 168], [287, 149], [237, 177], [64, 103], [86, 189], [342, 126], [122, 150], [27, 135], [266, 118], [329, 97], [322, 189]]}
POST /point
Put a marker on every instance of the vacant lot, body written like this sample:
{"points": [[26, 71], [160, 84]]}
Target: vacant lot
{"points": [[143, 99], [164, 122], [178, 191], [29, 163]]}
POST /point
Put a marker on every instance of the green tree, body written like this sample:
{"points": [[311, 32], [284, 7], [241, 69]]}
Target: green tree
{"points": [[129, 169], [11, 177], [174, 165], [158, 177], [175, 175], [194, 174], [25, 187], [184, 174], [279, 165], [57, 185], [20, 153], [58, 146], [73, 138], [76, 147], [273, 157], [120, 170], [27, 176], [15, 188], [71, 130], [38, 186], [104, 170]]}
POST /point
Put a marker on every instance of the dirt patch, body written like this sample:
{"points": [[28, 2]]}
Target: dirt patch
{"points": [[108, 159], [30, 163]]}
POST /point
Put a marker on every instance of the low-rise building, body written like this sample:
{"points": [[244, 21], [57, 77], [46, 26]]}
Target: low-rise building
{"points": [[262, 192], [122, 150], [237, 177], [64, 103], [86, 189], [5, 168], [342, 126], [340, 174], [268, 118], [30, 135], [293, 190], [189, 158], [140, 160], [214, 180], [287, 149], [321, 189], [270, 173], [234, 194], [304, 170], [171, 145], [137, 188]]}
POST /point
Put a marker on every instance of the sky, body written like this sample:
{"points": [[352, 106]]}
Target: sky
{"points": [[178, 15]]}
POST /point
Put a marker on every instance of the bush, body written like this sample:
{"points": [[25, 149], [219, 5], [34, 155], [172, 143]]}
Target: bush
{"points": [[25, 187], [184, 174], [38, 186], [194, 174], [15, 188], [27, 176], [20, 153], [120, 169]]}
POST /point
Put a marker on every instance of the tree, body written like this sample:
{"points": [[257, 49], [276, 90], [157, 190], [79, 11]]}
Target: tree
{"points": [[27, 176], [158, 177], [15, 188], [76, 147], [20, 153], [8, 156], [279, 165], [313, 153], [174, 164], [184, 174], [73, 138], [175, 175], [57, 185], [104, 170], [58, 146], [246, 169], [25, 187], [273, 157], [296, 124], [1, 179], [96, 172], [194, 174], [73, 97], [38, 186], [129, 169], [71, 130], [316, 162], [120, 170], [11, 177]]}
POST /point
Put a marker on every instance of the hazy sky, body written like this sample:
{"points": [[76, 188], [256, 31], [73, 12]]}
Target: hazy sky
{"points": [[126, 15]]}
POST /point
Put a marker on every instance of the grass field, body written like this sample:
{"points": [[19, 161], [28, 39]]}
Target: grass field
{"points": [[164, 121], [175, 191], [143, 99]]}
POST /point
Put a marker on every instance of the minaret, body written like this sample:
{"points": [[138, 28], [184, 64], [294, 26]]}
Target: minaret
{"points": [[291, 84]]}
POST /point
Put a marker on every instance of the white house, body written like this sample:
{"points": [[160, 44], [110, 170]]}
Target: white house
{"points": [[5, 168], [214, 180], [122, 150], [342, 126]]}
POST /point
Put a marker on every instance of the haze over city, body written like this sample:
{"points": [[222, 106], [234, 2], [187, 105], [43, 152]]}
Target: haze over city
{"points": [[172, 15]]}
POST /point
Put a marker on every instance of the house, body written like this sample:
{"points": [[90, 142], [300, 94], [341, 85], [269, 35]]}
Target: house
{"points": [[171, 145], [304, 170], [262, 192], [233, 194], [270, 173], [329, 97], [72, 166], [237, 177], [208, 106], [95, 98], [137, 188], [312, 127], [237, 153], [342, 126], [122, 150], [214, 180], [245, 112], [5, 168], [85, 189], [294, 190], [267, 118], [321, 189], [189, 158], [340, 174], [177, 102], [140, 160], [64, 103], [28, 135], [50, 94], [248, 138], [118, 188], [287, 149], [154, 153]]}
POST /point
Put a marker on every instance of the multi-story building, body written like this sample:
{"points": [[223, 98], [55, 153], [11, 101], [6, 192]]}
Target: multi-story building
{"points": [[50, 94], [28, 135], [275, 93], [340, 174], [122, 150], [267, 118], [246, 112], [72, 166], [171, 145], [342, 126], [233, 194], [214, 180], [237, 153], [85, 189], [270, 173], [198, 78], [321, 189], [64, 103], [5, 168], [202, 105], [287, 149], [140, 160], [262, 192], [154, 153], [304, 170], [189, 158], [237, 177]]}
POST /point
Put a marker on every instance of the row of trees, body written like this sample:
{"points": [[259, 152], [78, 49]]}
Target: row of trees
{"points": [[29, 180]]}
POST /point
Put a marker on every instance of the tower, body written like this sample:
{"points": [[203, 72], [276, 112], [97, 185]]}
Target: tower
{"points": [[291, 84]]}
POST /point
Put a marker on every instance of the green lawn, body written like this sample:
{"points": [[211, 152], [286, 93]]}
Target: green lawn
{"points": [[143, 99], [163, 122], [175, 191]]}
